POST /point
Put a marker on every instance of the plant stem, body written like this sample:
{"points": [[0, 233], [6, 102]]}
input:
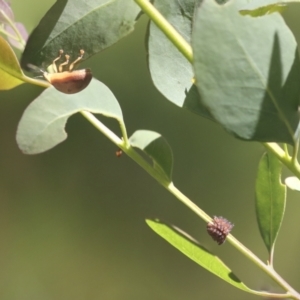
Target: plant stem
{"points": [[180, 43], [11, 23], [124, 134], [186, 50], [30, 80], [186, 201], [290, 162], [126, 148], [239, 246]]}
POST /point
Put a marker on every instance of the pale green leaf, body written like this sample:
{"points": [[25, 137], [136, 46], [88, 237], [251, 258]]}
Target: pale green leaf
{"points": [[193, 250], [270, 199], [72, 25], [157, 148], [247, 72], [42, 125]]}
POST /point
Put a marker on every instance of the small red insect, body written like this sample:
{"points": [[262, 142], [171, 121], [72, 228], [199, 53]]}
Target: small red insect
{"points": [[68, 82], [119, 152]]}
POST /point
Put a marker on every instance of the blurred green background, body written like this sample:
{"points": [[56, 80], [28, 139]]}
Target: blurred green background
{"points": [[72, 219]]}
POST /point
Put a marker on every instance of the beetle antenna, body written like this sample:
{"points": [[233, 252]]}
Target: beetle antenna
{"points": [[35, 68], [81, 52]]}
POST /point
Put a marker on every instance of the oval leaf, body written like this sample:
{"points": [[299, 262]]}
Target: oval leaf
{"points": [[157, 148], [191, 248], [270, 200], [173, 80], [11, 74], [293, 183], [247, 72], [42, 124], [72, 25]]}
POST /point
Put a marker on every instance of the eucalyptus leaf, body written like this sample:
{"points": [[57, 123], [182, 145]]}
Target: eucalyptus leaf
{"points": [[72, 25], [193, 250], [247, 72], [157, 148], [171, 73], [270, 199], [42, 125], [257, 8]]}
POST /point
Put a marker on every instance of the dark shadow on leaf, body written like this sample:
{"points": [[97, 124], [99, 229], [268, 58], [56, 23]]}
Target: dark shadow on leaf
{"points": [[193, 103], [163, 156], [279, 119], [40, 35], [192, 253], [234, 278]]}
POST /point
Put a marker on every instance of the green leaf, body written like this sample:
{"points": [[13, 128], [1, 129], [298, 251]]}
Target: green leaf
{"points": [[194, 104], [193, 250], [11, 74], [293, 183], [171, 73], [257, 8], [247, 72], [72, 25], [270, 200], [174, 80], [157, 148], [42, 124]]}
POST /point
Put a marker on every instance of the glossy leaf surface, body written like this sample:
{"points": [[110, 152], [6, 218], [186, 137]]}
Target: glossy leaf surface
{"points": [[193, 250], [247, 72], [157, 148], [42, 125], [270, 199], [72, 25]]}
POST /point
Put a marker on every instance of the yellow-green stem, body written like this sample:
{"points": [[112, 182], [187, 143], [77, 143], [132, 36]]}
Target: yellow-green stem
{"points": [[180, 43], [186, 201]]}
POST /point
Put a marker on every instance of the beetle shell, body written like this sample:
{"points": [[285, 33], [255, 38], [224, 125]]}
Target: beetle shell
{"points": [[70, 82]]}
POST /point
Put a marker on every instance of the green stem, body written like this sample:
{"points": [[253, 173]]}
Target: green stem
{"points": [[186, 201], [295, 152], [186, 50], [8, 34], [125, 147], [289, 162], [180, 43], [124, 134], [239, 246], [286, 150], [12, 24], [30, 80]]}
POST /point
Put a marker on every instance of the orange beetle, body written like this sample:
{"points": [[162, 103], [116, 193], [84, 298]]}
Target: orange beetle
{"points": [[68, 82]]}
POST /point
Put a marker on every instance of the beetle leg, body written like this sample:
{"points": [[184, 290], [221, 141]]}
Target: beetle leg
{"points": [[56, 59], [76, 61], [60, 68]]}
